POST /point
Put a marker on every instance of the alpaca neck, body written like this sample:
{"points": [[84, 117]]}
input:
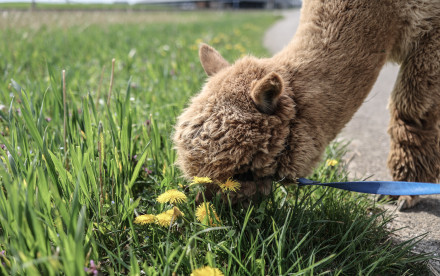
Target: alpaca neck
{"points": [[335, 58], [332, 63]]}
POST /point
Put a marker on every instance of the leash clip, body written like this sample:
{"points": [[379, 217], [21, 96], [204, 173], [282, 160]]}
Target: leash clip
{"points": [[304, 181]]}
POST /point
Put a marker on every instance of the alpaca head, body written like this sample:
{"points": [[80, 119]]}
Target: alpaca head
{"points": [[238, 125]]}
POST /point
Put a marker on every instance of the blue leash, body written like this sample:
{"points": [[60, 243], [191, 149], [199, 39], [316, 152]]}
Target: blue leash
{"points": [[380, 187]]}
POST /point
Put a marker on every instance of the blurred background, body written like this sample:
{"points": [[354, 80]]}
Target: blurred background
{"points": [[148, 4]]}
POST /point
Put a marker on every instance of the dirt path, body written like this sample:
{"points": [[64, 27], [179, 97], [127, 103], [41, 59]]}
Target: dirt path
{"points": [[369, 146]]}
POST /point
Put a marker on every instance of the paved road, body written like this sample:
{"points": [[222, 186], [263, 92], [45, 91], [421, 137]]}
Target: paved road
{"points": [[368, 150]]}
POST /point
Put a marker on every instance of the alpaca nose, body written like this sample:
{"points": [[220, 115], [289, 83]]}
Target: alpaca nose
{"points": [[243, 177]]}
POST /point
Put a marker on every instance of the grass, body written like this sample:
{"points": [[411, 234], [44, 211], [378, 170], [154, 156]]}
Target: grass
{"points": [[20, 6], [77, 169]]}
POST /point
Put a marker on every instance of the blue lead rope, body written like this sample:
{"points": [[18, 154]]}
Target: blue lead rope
{"points": [[380, 187]]}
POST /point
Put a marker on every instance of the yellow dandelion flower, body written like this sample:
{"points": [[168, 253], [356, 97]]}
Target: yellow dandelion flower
{"points": [[168, 217], [230, 185], [145, 219], [207, 271], [201, 180], [175, 212], [332, 162], [215, 40], [239, 47], [250, 27], [164, 219], [172, 196], [206, 214]]}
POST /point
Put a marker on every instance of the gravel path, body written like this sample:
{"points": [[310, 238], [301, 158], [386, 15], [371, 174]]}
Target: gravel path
{"points": [[367, 152]]}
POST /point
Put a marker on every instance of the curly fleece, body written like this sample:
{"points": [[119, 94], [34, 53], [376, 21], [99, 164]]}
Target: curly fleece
{"points": [[272, 118]]}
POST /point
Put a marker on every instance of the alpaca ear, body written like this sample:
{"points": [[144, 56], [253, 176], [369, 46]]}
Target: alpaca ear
{"points": [[266, 93], [211, 60]]}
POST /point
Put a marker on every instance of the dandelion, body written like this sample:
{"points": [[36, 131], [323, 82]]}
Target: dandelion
{"points": [[206, 214], [207, 271], [240, 48], [332, 162], [145, 219], [164, 219], [167, 217], [215, 40], [249, 27], [172, 196], [230, 185], [201, 180], [175, 212]]}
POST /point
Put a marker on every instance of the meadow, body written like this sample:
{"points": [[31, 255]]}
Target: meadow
{"points": [[75, 6], [87, 165]]}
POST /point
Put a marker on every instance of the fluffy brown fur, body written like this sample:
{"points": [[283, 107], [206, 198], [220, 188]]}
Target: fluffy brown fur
{"points": [[264, 119]]}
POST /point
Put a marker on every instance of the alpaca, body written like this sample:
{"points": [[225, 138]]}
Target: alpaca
{"points": [[266, 119]]}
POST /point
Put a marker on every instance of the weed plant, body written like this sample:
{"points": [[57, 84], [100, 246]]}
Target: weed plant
{"points": [[81, 159]]}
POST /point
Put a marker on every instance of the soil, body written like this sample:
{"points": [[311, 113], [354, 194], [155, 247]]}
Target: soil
{"points": [[367, 152]]}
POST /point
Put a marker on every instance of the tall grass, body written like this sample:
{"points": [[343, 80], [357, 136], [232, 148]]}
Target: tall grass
{"points": [[77, 169]]}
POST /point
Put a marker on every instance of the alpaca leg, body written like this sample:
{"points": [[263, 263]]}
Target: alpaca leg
{"points": [[415, 112]]}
